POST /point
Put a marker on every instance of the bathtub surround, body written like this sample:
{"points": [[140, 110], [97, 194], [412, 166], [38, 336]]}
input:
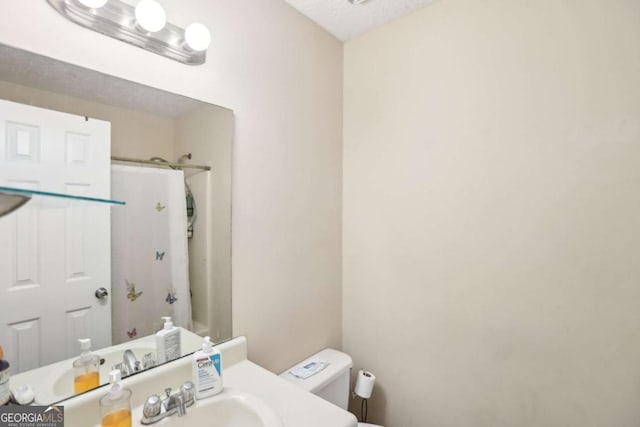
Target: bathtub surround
{"points": [[492, 214]]}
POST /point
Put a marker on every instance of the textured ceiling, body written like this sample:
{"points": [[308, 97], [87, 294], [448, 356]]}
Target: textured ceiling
{"points": [[345, 20], [28, 69]]}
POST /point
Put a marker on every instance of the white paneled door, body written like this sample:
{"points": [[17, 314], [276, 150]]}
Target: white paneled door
{"points": [[53, 256]]}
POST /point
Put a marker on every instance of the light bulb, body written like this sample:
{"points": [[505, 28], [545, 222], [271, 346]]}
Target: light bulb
{"points": [[93, 4], [150, 15], [197, 37]]}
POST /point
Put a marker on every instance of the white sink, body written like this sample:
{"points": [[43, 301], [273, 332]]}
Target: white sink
{"points": [[230, 408]]}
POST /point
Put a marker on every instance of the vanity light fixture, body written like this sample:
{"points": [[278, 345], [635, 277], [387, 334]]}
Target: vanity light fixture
{"points": [[150, 15], [197, 37], [144, 25], [93, 4]]}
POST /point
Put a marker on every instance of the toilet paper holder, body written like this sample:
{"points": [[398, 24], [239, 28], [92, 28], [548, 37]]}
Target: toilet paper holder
{"points": [[365, 381]]}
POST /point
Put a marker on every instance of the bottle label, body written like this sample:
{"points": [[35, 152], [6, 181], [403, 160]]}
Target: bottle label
{"points": [[172, 346], [168, 346], [209, 372]]}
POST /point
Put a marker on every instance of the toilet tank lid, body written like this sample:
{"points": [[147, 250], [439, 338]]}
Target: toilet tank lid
{"points": [[339, 364]]}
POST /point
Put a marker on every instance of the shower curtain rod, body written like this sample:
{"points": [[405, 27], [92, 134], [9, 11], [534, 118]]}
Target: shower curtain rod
{"points": [[153, 162]]}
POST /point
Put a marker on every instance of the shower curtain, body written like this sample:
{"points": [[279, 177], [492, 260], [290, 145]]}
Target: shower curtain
{"points": [[149, 259]]}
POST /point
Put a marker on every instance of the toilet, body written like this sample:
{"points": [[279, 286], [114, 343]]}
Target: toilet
{"points": [[332, 382]]}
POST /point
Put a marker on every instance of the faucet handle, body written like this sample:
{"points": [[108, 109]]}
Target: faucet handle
{"points": [[152, 406], [188, 391], [149, 361], [124, 369]]}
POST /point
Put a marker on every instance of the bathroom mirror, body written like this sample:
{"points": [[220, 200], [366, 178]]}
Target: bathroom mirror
{"points": [[158, 141]]}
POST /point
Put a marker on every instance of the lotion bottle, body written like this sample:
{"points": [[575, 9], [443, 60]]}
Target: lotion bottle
{"points": [[115, 407], [207, 370], [86, 368], [5, 392], [168, 341]]}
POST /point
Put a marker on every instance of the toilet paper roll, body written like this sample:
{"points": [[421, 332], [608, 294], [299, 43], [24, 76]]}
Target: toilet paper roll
{"points": [[364, 384]]}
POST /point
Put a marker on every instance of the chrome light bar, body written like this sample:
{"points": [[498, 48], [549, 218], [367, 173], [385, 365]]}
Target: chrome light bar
{"points": [[117, 19]]}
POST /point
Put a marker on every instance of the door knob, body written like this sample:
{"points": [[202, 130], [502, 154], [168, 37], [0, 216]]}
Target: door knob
{"points": [[101, 293]]}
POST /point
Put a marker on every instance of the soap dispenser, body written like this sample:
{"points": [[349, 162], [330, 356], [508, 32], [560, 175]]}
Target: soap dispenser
{"points": [[207, 370], [86, 368], [115, 407], [168, 341]]}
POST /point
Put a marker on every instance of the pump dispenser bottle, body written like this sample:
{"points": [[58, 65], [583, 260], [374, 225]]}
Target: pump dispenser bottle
{"points": [[86, 368], [115, 407], [168, 341], [207, 370]]}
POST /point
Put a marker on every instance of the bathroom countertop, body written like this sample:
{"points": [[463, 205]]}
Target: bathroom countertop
{"points": [[296, 407], [54, 382]]}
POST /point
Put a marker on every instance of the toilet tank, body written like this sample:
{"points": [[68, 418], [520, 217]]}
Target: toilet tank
{"points": [[332, 383]]}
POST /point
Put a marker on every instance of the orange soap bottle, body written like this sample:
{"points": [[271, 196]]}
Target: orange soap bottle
{"points": [[115, 407], [86, 368]]}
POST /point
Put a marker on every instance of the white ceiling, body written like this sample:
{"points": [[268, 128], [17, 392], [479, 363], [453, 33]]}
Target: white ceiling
{"points": [[346, 21]]}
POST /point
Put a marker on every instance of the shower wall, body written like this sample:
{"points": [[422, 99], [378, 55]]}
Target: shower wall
{"points": [[207, 133]]}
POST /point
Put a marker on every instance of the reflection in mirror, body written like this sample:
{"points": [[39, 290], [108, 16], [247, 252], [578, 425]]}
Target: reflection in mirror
{"points": [[108, 273]]}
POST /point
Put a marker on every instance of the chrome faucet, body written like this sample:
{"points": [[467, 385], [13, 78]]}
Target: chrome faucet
{"points": [[177, 401], [130, 362], [131, 365], [156, 409]]}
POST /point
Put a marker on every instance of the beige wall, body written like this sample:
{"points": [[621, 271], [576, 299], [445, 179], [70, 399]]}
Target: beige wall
{"points": [[133, 133], [492, 214], [282, 76], [207, 133]]}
